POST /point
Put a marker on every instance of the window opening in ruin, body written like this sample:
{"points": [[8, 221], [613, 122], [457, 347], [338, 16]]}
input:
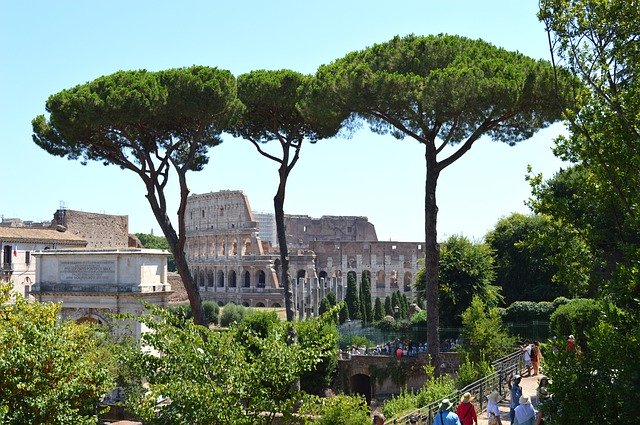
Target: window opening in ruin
{"points": [[260, 305], [349, 229], [304, 228], [407, 282], [220, 279], [261, 279], [419, 247], [232, 279], [202, 213], [27, 257], [247, 279]]}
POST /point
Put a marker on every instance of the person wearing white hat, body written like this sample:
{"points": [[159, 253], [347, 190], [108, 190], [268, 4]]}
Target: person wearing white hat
{"points": [[493, 411], [525, 413]]}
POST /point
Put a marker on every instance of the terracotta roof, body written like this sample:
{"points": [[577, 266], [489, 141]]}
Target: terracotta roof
{"points": [[27, 234]]}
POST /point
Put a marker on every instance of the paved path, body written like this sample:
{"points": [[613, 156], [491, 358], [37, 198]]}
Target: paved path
{"points": [[529, 386]]}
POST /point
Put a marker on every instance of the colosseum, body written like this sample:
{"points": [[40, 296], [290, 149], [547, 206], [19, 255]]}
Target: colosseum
{"points": [[233, 263]]}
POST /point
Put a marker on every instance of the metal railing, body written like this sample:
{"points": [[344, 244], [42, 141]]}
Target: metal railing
{"points": [[505, 367]]}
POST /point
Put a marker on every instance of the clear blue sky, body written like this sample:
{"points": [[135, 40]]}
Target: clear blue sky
{"points": [[47, 46]]}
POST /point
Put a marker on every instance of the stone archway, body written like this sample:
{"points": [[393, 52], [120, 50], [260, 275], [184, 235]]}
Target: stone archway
{"points": [[361, 384]]}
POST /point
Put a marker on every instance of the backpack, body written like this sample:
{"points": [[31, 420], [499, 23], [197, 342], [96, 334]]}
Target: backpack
{"points": [[534, 353]]}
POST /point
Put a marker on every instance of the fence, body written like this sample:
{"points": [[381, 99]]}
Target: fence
{"points": [[505, 367]]}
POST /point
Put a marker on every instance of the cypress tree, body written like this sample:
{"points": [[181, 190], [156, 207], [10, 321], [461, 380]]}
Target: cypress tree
{"points": [[378, 312], [365, 297], [388, 311], [325, 305], [395, 305], [352, 298]]}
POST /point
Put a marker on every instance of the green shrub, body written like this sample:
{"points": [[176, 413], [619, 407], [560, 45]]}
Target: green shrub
{"points": [[470, 371], [419, 319], [528, 311], [406, 401], [560, 301], [231, 314], [575, 318], [435, 389], [211, 311], [338, 410]]}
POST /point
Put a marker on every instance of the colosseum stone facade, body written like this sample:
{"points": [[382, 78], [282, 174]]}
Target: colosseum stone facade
{"points": [[232, 264]]}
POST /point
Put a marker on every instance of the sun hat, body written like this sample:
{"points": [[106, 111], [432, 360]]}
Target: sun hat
{"points": [[524, 399], [466, 398], [445, 404], [494, 396], [571, 337]]}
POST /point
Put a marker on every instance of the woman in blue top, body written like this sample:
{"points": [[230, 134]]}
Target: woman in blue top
{"points": [[445, 416]]}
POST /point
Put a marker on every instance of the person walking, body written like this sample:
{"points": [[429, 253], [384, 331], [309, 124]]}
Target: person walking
{"points": [[525, 413], [466, 411], [493, 411], [516, 392], [536, 357], [445, 416]]}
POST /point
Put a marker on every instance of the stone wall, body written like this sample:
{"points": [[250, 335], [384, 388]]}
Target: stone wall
{"points": [[302, 229], [99, 230]]}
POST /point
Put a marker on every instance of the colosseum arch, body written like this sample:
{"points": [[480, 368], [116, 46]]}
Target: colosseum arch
{"points": [[246, 281], [234, 248], [220, 279], [276, 305], [245, 304], [323, 275], [261, 279], [246, 247], [210, 278], [393, 279], [232, 279], [407, 281], [301, 274], [380, 279], [260, 305]]}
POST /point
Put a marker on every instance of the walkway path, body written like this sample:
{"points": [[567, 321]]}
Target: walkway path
{"points": [[529, 386]]}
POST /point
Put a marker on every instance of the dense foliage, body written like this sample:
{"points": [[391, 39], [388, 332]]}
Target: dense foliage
{"points": [[484, 337], [51, 370], [466, 269], [441, 91], [244, 375], [153, 124]]}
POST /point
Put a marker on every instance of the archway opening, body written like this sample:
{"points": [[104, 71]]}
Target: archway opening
{"points": [[361, 384]]}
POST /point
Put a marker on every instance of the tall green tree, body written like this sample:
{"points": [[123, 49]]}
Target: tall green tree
{"points": [[388, 310], [272, 112], [599, 41], [51, 370], [484, 336], [442, 91], [152, 124], [351, 297], [365, 297], [466, 270], [378, 311]]}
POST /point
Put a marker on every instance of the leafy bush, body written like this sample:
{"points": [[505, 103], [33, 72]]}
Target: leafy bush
{"points": [[575, 318], [434, 389], [336, 410], [527, 311], [51, 371], [349, 340], [560, 301], [210, 309], [470, 371], [232, 313], [419, 319], [483, 334], [389, 324], [319, 335], [406, 401]]}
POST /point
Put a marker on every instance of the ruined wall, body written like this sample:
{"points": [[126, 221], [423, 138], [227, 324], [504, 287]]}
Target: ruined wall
{"points": [[99, 230], [302, 229]]}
